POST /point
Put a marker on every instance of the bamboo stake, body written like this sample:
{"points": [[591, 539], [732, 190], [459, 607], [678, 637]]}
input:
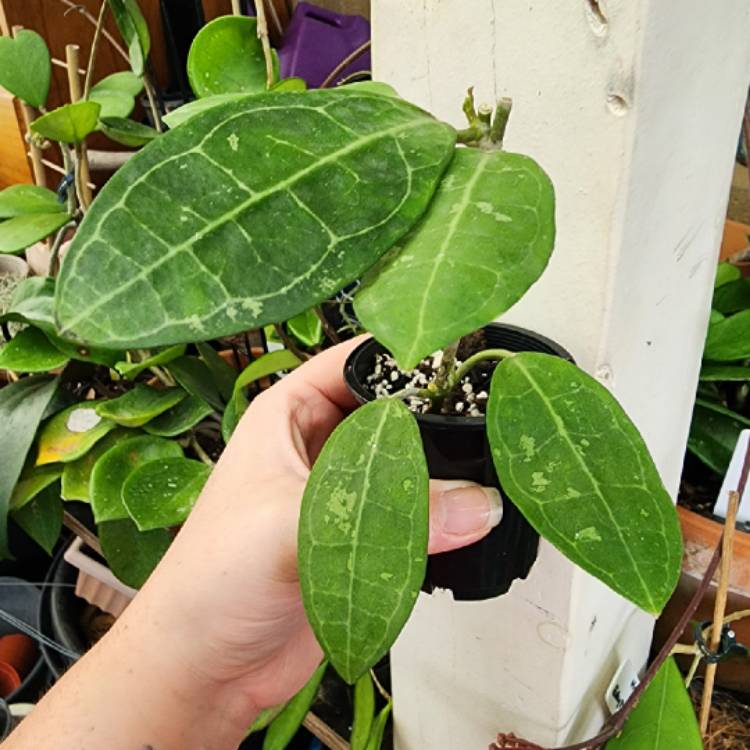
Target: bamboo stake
{"points": [[236, 9], [82, 162], [35, 153], [57, 168], [720, 605]]}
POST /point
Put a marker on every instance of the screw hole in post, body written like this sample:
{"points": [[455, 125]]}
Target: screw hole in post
{"points": [[617, 104], [596, 17]]}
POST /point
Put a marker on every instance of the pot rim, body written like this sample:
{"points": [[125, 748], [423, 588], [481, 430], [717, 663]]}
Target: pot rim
{"points": [[364, 395]]}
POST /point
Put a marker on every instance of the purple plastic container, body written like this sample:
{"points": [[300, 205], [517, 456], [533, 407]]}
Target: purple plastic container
{"points": [[317, 40]]}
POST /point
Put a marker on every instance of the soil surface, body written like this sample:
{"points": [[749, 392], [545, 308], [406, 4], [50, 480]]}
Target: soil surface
{"points": [[467, 399]]}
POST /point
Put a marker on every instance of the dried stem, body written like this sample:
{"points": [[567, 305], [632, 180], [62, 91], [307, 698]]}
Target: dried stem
{"points": [[720, 605], [348, 60], [90, 540], [289, 342], [94, 49], [91, 19], [260, 9], [446, 369], [328, 329]]}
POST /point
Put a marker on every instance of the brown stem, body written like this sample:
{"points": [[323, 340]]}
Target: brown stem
{"points": [[328, 329], [289, 342], [260, 9], [94, 49], [615, 723], [91, 19], [72, 523], [350, 58]]}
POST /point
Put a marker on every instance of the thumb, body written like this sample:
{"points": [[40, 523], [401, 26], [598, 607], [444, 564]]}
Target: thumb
{"points": [[461, 512]]}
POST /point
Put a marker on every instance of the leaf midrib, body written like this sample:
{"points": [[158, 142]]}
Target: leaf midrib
{"points": [[564, 434], [230, 215]]}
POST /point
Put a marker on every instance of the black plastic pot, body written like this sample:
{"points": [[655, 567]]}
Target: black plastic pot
{"points": [[457, 448]]}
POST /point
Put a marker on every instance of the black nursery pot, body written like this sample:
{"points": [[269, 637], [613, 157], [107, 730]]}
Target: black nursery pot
{"points": [[457, 448]]}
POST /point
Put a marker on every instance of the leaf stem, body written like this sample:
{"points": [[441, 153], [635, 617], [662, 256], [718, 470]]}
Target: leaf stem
{"points": [[198, 448], [328, 329], [475, 359], [446, 368], [289, 342], [56, 245], [350, 58], [94, 50], [162, 375], [502, 113]]}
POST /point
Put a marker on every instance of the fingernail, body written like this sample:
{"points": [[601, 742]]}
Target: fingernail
{"points": [[469, 508]]}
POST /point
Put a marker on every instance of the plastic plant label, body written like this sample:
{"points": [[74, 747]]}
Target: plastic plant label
{"points": [[732, 480], [621, 687]]}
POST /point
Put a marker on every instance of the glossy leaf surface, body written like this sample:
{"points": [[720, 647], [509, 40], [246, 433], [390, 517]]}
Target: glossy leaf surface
{"points": [[378, 728], [664, 718], [139, 405], [127, 132], [71, 433], [18, 200], [306, 328], [18, 233], [226, 57], [160, 494], [180, 418], [350, 173], [134, 30], [42, 517], [576, 467], [70, 123], [735, 373], [362, 546], [115, 466], [195, 377], [30, 351], [32, 482], [729, 339], [732, 297], [484, 241], [187, 111], [25, 67], [714, 432], [132, 370], [22, 406], [132, 554], [116, 94], [364, 712]]}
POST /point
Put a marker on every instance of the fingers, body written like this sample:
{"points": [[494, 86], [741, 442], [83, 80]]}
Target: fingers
{"points": [[325, 373], [461, 512]]}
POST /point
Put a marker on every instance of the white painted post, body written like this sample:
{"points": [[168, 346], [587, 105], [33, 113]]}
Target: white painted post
{"points": [[633, 107]]}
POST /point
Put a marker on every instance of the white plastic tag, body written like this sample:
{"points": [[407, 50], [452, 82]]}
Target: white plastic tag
{"points": [[732, 479], [621, 687]]}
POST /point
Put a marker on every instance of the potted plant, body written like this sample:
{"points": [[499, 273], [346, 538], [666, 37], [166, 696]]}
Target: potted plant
{"points": [[184, 246]]}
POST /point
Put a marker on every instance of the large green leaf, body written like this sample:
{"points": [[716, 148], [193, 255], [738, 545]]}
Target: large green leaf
{"points": [[283, 728], [134, 30], [576, 467], [714, 432], [18, 233], [161, 493], [32, 481], [226, 57], [115, 466], [223, 375], [25, 67], [127, 132], [116, 94], [485, 240], [18, 200], [729, 339], [32, 302], [664, 718], [42, 517], [71, 433], [140, 404], [70, 123], [362, 546], [350, 173], [732, 297], [84, 353], [195, 377], [31, 351], [77, 474], [179, 418], [22, 406], [132, 554]]}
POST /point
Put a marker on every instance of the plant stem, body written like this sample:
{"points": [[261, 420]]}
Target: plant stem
{"points": [[475, 359], [445, 370], [162, 375], [56, 245], [502, 113], [350, 58], [405, 393], [289, 342], [155, 114], [260, 9], [94, 50], [328, 329], [199, 451]]}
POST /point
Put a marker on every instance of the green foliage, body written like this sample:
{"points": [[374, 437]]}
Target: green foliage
{"points": [[283, 728], [160, 494], [714, 433], [134, 30], [362, 546], [223, 375], [140, 404], [732, 297], [71, 433], [554, 431], [378, 728], [116, 94], [76, 474], [22, 406], [726, 272], [31, 482], [25, 67], [307, 328], [42, 517], [364, 712], [70, 123], [32, 303], [115, 466], [351, 189], [19, 200], [195, 377], [226, 57], [18, 233], [31, 351], [729, 339], [485, 239], [289, 84], [180, 418], [132, 370], [191, 109], [723, 373], [126, 132], [132, 554], [664, 718]]}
